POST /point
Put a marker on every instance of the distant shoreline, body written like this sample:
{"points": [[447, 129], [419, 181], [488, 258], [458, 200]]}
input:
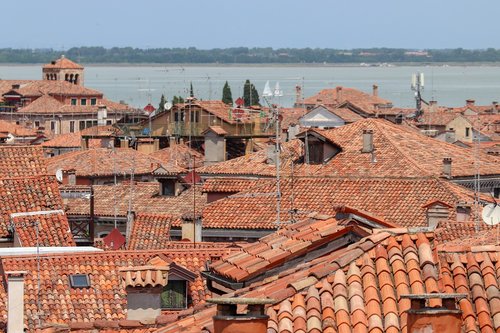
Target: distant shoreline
{"points": [[367, 65]]}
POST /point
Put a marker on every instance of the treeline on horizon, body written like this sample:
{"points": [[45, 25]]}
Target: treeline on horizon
{"points": [[244, 55]]}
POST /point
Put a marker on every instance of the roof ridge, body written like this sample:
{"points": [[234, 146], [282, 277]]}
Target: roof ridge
{"points": [[396, 147]]}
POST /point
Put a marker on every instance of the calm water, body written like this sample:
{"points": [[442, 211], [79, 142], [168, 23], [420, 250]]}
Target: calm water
{"points": [[137, 85]]}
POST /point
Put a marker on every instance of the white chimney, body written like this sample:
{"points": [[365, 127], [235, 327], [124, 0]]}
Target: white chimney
{"points": [[447, 167], [367, 141], [102, 115], [375, 90], [15, 310]]}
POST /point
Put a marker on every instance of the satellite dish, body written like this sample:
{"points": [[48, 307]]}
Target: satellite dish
{"points": [[491, 214], [59, 175]]}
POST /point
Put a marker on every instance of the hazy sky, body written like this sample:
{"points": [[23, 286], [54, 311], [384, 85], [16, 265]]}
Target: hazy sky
{"points": [[205, 24]]}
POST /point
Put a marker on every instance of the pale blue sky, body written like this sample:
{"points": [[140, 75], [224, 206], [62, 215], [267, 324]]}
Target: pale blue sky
{"points": [[205, 24]]}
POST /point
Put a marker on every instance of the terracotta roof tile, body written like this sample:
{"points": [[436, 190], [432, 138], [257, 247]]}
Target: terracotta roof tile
{"points": [[179, 155], [145, 199], [53, 230], [22, 161], [150, 231], [105, 300], [102, 162], [399, 152], [63, 63]]}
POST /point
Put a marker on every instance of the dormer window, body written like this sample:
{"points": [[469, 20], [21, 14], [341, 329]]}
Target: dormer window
{"points": [[167, 187], [174, 295], [317, 149], [79, 281], [315, 152]]}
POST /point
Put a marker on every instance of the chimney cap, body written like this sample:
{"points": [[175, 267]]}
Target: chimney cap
{"points": [[241, 300], [447, 160], [435, 295], [16, 273]]}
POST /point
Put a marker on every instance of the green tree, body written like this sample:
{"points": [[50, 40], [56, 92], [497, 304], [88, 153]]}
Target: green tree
{"points": [[227, 96], [163, 101], [250, 94], [177, 100], [191, 91]]}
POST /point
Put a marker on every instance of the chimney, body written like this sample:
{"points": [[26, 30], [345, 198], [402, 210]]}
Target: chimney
{"points": [[191, 227], [228, 320], [171, 141], [15, 310], [375, 90], [123, 143], [85, 143], [432, 106], [298, 94], [271, 152], [102, 115], [156, 144], [447, 167], [339, 94], [215, 147], [367, 141], [423, 317], [470, 102], [71, 177]]}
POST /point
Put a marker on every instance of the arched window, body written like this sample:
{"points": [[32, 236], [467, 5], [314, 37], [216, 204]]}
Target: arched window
{"points": [[48, 77], [76, 78], [66, 77], [71, 78]]}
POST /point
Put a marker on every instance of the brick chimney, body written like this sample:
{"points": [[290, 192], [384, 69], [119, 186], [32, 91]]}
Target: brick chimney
{"points": [[15, 310], [228, 320], [192, 227], [375, 90], [367, 141], [423, 318], [447, 167], [84, 143], [339, 94]]}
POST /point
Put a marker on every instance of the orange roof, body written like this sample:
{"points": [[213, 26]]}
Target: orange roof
{"points": [[397, 201], [16, 130], [150, 231], [360, 288], [179, 155], [106, 298], [22, 161], [228, 184], [332, 97], [63, 63], [399, 152], [53, 230], [74, 140], [36, 88], [438, 118], [145, 199], [102, 162]]}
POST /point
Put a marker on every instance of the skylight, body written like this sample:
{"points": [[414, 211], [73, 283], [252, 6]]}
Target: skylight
{"points": [[79, 281]]}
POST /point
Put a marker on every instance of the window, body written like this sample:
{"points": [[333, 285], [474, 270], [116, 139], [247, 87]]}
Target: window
{"points": [[174, 295], [195, 116], [315, 152], [496, 192], [167, 187], [71, 126], [37, 124], [53, 126], [109, 122], [79, 281], [93, 101], [176, 116], [467, 131], [82, 125], [83, 101], [73, 101], [88, 123]]}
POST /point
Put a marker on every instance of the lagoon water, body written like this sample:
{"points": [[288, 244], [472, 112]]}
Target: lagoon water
{"points": [[139, 84]]}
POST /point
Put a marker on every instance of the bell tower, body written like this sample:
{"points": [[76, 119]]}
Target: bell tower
{"points": [[63, 69]]}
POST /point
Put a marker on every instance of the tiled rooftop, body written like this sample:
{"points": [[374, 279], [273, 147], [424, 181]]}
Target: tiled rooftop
{"points": [[63, 63], [359, 289], [37, 88], [21, 161], [277, 248], [179, 155], [227, 184], [331, 97], [107, 162], [397, 201], [16, 130], [150, 231], [53, 230], [399, 151], [145, 199], [106, 298]]}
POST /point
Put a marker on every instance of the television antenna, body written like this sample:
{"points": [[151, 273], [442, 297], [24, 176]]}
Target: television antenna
{"points": [[268, 93], [417, 85]]}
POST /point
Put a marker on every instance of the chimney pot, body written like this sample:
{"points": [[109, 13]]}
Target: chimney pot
{"points": [[339, 94], [367, 141], [470, 102], [447, 167]]}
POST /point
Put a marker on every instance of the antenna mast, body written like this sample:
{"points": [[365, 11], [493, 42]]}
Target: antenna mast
{"points": [[417, 85]]}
